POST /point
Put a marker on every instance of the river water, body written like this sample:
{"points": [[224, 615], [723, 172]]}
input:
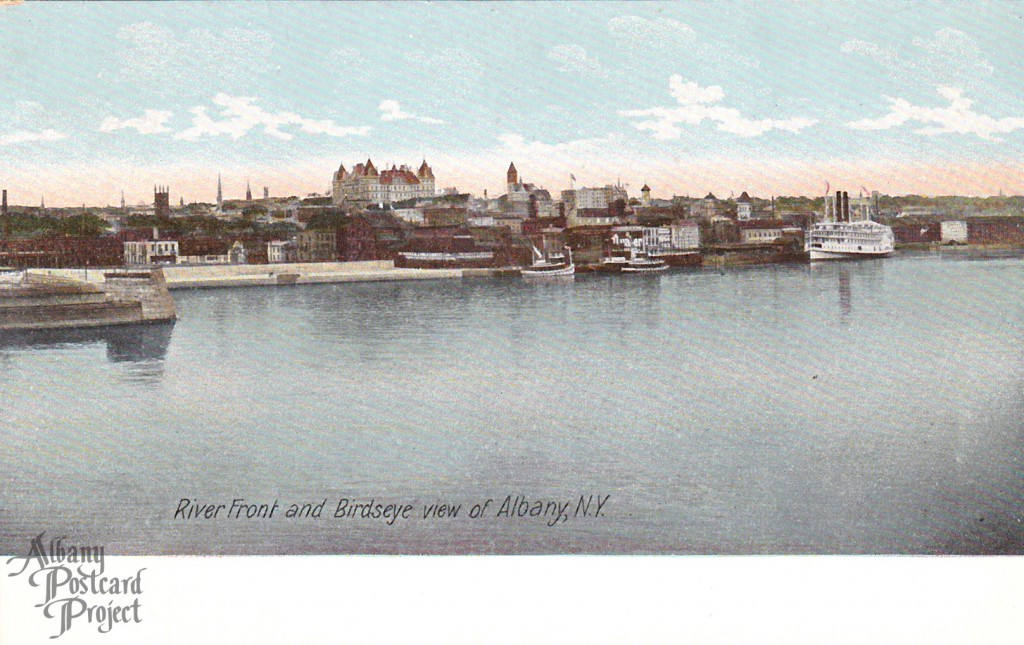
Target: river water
{"points": [[868, 407]]}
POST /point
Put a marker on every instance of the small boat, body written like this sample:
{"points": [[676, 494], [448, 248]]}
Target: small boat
{"points": [[643, 263], [550, 265]]}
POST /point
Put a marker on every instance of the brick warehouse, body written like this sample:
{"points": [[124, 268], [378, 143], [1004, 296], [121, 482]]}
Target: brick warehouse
{"points": [[58, 252]]}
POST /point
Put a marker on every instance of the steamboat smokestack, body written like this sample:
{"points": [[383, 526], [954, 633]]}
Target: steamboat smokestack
{"points": [[5, 216], [846, 206]]}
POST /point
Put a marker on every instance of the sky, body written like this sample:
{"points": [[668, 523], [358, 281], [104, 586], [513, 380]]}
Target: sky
{"points": [[770, 98]]}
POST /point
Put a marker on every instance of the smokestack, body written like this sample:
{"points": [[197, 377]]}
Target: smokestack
{"points": [[846, 206], [7, 219], [837, 207]]}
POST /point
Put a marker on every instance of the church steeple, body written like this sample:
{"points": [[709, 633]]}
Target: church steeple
{"points": [[248, 191], [512, 175], [220, 194]]}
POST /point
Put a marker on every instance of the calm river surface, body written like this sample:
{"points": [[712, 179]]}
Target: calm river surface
{"points": [[870, 407]]}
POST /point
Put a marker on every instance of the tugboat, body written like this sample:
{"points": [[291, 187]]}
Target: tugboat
{"points": [[551, 265]]}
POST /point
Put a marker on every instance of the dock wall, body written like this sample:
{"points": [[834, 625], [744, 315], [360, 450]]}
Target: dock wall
{"points": [[52, 302], [148, 289], [238, 275]]}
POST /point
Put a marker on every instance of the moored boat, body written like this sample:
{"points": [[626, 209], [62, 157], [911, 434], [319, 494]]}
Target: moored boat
{"points": [[641, 262], [550, 265], [838, 238]]}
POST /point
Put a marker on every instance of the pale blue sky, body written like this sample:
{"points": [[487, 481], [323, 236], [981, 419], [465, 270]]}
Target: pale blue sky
{"points": [[766, 97]]}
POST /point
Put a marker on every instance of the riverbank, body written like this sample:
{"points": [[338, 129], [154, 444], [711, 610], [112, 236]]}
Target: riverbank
{"points": [[254, 275], [236, 275], [936, 246]]}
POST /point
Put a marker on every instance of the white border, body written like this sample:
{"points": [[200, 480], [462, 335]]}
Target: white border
{"points": [[553, 599]]}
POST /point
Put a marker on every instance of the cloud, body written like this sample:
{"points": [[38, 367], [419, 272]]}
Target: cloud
{"points": [[659, 33], [516, 145], [392, 111], [958, 117], [348, 55], [24, 136], [696, 104], [949, 57], [450, 65], [575, 60], [151, 122], [155, 54], [690, 93], [241, 114], [640, 36]]}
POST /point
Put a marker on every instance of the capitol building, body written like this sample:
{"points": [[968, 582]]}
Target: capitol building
{"points": [[367, 185]]}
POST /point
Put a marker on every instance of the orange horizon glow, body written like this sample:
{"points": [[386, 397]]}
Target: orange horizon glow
{"points": [[102, 186]]}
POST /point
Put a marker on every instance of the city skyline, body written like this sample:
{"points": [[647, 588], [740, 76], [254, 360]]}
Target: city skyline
{"points": [[689, 99]]}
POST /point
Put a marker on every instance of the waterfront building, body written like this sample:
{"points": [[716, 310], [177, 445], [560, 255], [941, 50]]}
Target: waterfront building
{"points": [[374, 235], [281, 251], [723, 230], [237, 253], [147, 252], [316, 246], [622, 238], [684, 235], [761, 231], [995, 230], [657, 238], [434, 247], [211, 250], [954, 232], [915, 232], [61, 252], [678, 236], [645, 196], [366, 185]]}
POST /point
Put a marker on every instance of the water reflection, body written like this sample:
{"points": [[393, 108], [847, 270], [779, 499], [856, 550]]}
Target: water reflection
{"points": [[867, 274], [971, 254], [845, 295], [125, 343]]}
